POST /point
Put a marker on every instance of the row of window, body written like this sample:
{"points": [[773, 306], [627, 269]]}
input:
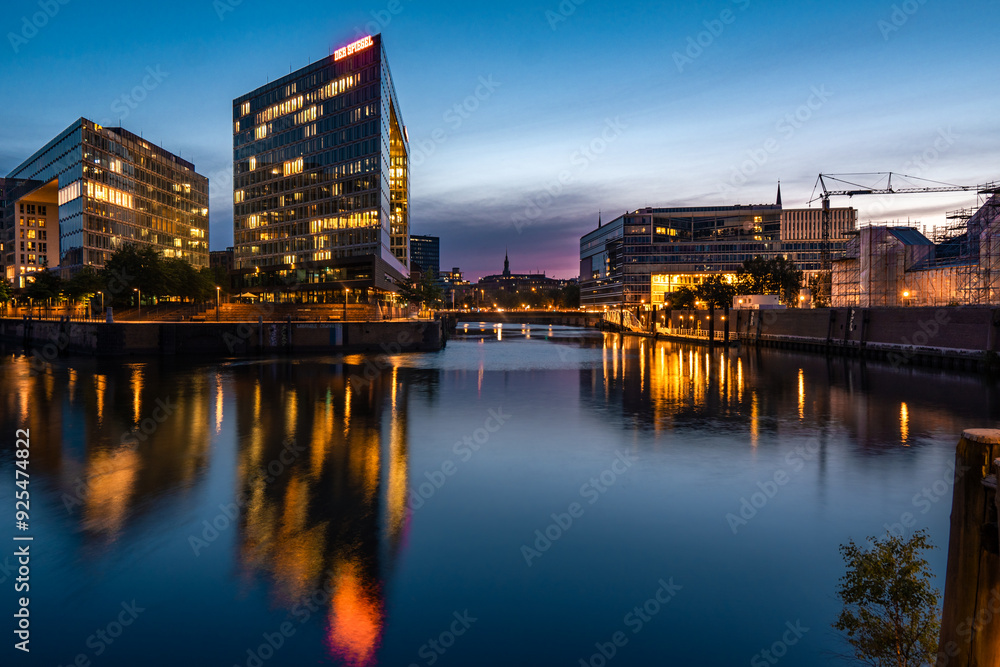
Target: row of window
{"points": [[321, 75], [32, 209]]}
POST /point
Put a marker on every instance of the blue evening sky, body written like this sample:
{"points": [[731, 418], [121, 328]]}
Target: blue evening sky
{"points": [[590, 105]]}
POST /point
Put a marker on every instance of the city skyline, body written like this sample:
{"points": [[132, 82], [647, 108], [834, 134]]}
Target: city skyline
{"points": [[538, 115]]}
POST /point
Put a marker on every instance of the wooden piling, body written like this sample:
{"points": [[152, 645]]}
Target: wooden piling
{"points": [[970, 623]]}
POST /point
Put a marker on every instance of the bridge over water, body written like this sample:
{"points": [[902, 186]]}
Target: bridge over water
{"points": [[574, 318]]}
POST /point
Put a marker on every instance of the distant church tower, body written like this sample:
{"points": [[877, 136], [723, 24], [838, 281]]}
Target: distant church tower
{"points": [[506, 264]]}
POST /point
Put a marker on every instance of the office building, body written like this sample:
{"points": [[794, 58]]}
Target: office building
{"points": [[321, 182], [221, 259], [101, 187], [639, 257], [425, 255]]}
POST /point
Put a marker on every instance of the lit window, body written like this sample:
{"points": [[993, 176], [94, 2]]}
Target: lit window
{"points": [[293, 167]]}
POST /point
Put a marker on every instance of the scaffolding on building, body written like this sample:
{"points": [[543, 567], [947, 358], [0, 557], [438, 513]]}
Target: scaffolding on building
{"points": [[979, 274], [845, 285]]}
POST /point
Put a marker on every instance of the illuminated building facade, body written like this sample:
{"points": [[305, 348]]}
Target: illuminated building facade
{"points": [[102, 187], [641, 256], [321, 181]]}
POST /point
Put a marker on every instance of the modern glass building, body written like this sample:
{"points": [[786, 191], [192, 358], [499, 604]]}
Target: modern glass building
{"points": [[101, 187], [639, 257], [425, 254], [321, 181]]}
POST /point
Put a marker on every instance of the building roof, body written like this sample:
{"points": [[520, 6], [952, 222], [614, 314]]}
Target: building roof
{"points": [[909, 236]]}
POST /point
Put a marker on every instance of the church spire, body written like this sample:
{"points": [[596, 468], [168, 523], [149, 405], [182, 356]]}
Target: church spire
{"points": [[598, 219], [506, 263], [778, 203]]}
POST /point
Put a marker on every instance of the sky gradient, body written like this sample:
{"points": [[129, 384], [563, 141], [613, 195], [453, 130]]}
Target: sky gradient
{"points": [[527, 118]]}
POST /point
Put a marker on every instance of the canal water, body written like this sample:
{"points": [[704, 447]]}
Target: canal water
{"points": [[527, 496]]}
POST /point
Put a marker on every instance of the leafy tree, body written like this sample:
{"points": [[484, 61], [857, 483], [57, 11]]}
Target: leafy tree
{"points": [[6, 292], [86, 281], [819, 286], [770, 276], [682, 297], [133, 267], [217, 276], [569, 296], [716, 290], [754, 277], [423, 291], [890, 613], [43, 285], [183, 280]]}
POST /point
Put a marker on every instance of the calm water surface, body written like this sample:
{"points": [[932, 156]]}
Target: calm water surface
{"points": [[524, 497]]}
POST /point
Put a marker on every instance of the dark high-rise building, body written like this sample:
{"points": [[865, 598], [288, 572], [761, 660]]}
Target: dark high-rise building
{"points": [[321, 181], [93, 188], [425, 254]]}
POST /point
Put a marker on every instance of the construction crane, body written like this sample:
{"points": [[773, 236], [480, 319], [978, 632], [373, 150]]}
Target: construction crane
{"points": [[887, 189]]}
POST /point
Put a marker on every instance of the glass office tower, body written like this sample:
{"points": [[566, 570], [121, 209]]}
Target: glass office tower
{"points": [[321, 181], [102, 187]]}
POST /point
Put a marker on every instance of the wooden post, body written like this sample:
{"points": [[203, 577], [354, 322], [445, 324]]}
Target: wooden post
{"points": [[711, 324], [970, 623]]}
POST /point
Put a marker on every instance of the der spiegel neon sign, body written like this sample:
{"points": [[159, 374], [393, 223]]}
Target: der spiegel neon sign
{"points": [[351, 49]]}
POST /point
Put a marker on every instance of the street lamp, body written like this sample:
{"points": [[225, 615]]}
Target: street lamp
{"points": [[138, 302], [217, 297]]}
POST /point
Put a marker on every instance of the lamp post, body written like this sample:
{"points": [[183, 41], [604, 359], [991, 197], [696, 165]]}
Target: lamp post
{"points": [[138, 302], [347, 291], [217, 297]]}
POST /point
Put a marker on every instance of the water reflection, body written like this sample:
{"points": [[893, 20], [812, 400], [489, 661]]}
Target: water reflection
{"points": [[321, 470], [664, 385], [317, 454], [326, 504]]}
